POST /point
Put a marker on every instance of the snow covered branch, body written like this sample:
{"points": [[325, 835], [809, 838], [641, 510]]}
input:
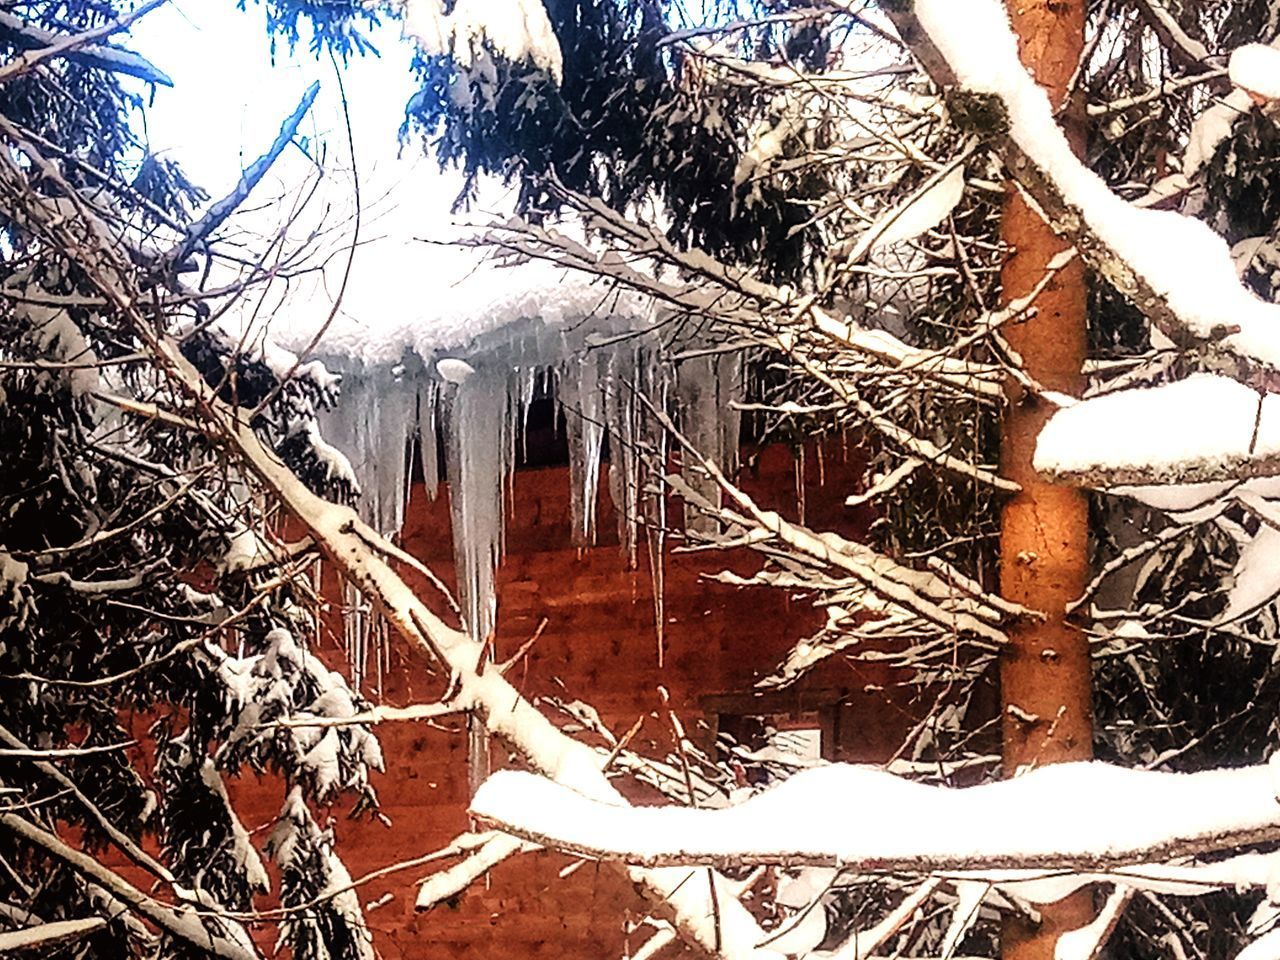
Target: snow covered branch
{"points": [[483, 853], [232, 943], [778, 319], [1176, 270], [43, 45], [1045, 820], [926, 595], [1205, 429], [199, 231], [48, 935], [1192, 54]]}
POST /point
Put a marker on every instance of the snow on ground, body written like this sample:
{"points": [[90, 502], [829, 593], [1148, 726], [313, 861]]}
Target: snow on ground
{"points": [[1182, 259]]}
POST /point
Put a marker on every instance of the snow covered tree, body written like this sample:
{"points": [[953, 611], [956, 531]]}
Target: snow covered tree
{"points": [[827, 183], [1145, 81], [143, 585]]}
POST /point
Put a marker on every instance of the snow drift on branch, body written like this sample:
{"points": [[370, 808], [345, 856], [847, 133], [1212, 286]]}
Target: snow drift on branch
{"points": [[1076, 816], [1197, 430], [1256, 67]]}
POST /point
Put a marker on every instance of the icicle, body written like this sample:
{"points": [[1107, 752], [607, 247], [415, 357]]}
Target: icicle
{"points": [[800, 484], [511, 430], [730, 391], [354, 633], [477, 461], [657, 386], [528, 386], [710, 386], [428, 440], [372, 424], [481, 455], [395, 402], [340, 425], [584, 421], [479, 762], [699, 405], [624, 462]]}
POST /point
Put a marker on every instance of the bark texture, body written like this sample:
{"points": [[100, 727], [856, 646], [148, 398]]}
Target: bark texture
{"points": [[1045, 673]]}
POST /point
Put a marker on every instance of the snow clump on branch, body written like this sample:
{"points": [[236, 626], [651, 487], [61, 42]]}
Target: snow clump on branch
{"points": [[1256, 67], [519, 30]]}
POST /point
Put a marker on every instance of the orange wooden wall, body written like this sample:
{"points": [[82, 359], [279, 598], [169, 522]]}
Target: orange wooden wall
{"points": [[599, 646]]}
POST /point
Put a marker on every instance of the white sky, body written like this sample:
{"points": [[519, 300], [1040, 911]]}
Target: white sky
{"points": [[228, 97]]}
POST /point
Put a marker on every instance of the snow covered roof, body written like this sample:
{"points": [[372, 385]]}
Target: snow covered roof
{"points": [[410, 286], [450, 304]]}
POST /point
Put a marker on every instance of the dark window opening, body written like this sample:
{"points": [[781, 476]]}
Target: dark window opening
{"points": [[764, 750], [542, 439]]}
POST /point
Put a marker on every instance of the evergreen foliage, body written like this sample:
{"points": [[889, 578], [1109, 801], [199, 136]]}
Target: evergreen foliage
{"points": [[136, 590]]}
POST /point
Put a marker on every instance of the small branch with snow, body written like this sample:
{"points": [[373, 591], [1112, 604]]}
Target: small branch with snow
{"points": [[123, 842], [46, 936], [42, 45], [1183, 47], [379, 714], [482, 852], [201, 229], [932, 599], [864, 943], [1087, 942]]}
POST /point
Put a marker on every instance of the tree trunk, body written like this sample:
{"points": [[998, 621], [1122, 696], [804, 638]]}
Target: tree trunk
{"points": [[1045, 676]]}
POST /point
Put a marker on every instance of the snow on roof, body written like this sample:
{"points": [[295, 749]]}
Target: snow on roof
{"points": [[411, 287], [427, 299], [1193, 430], [1046, 818], [1180, 258]]}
